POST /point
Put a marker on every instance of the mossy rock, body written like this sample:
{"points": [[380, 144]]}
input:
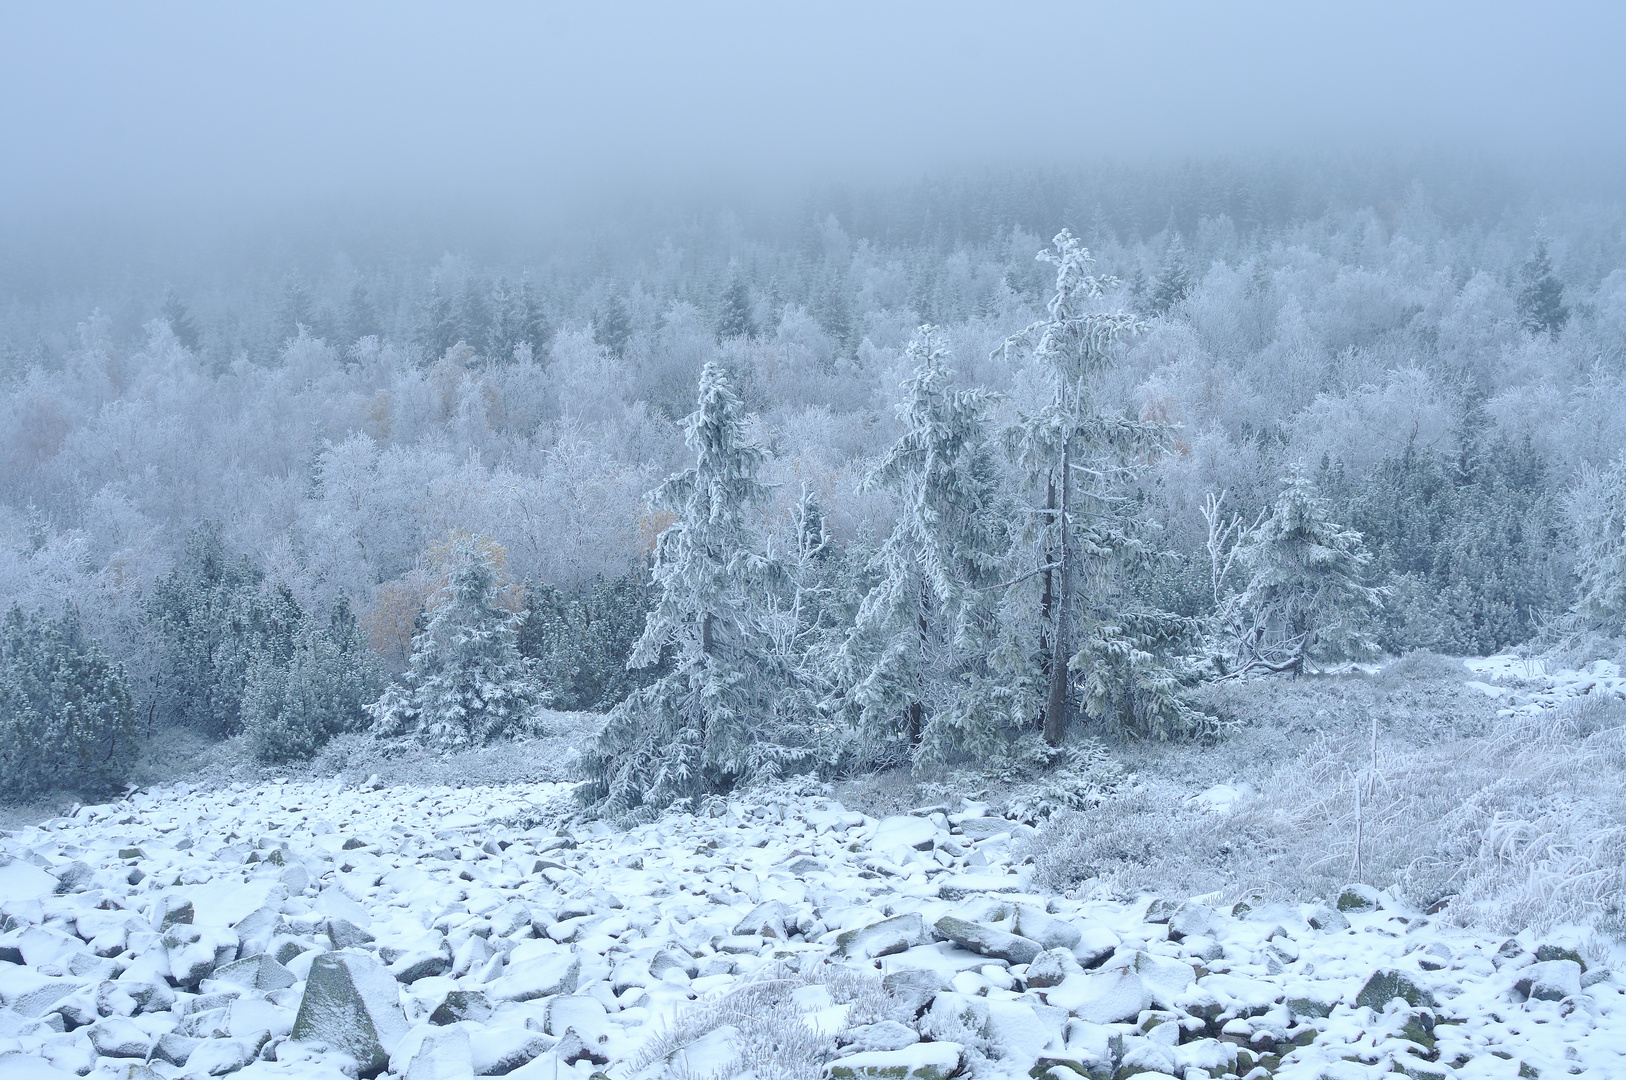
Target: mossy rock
{"points": [[1557, 952], [1422, 1072], [1313, 1007], [1066, 1068], [1358, 898], [351, 1004], [1419, 1029], [1386, 985], [922, 1061]]}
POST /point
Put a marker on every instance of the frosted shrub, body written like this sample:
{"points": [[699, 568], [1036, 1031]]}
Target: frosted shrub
{"points": [[66, 719], [1033, 781], [1589, 714]]}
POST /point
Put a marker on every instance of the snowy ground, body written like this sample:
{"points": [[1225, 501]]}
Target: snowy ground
{"points": [[316, 929], [1523, 684]]}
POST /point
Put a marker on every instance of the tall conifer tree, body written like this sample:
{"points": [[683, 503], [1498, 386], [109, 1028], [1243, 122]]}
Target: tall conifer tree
{"points": [[917, 658], [1098, 642], [725, 713]]}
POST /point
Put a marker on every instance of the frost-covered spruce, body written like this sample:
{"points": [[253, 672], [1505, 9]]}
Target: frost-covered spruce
{"points": [[467, 682], [1094, 640], [1598, 510], [1305, 600], [727, 711], [917, 659]]}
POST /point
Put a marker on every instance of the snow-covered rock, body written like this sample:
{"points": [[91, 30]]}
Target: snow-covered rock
{"points": [[444, 1054], [883, 938], [904, 831], [988, 940], [922, 1061], [272, 927], [351, 1005]]}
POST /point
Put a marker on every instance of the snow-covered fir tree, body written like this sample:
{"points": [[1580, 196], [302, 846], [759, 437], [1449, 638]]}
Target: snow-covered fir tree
{"points": [[1173, 279], [1598, 511], [917, 660], [1541, 295], [1095, 639], [725, 713], [1305, 600], [467, 683], [735, 319]]}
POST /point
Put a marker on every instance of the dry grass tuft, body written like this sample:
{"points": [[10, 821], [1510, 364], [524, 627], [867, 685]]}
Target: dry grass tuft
{"points": [[774, 1039], [1400, 780]]}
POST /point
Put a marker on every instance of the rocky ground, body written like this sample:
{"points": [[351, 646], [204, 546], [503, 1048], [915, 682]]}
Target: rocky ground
{"points": [[334, 929]]}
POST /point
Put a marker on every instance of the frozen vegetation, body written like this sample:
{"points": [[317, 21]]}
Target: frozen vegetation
{"points": [[833, 647], [334, 928]]}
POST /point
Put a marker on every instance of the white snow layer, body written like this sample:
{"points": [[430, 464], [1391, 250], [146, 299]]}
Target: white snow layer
{"points": [[177, 933], [1526, 686]]}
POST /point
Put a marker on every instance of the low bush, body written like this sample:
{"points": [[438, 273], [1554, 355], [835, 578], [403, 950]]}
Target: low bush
{"points": [[66, 719]]}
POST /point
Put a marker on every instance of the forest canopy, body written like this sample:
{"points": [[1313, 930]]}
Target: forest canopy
{"points": [[288, 449]]}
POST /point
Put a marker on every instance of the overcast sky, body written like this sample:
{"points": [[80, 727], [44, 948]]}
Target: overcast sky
{"points": [[139, 106]]}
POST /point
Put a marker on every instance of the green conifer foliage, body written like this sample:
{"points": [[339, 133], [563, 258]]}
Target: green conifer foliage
{"points": [[291, 709], [66, 718], [580, 639], [1472, 547], [467, 683], [1305, 600], [726, 712], [212, 621]]}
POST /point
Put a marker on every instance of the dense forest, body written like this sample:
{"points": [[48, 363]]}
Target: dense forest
{"points": [[1302, 414]]}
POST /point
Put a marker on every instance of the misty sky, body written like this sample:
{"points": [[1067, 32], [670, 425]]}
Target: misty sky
{"points": [[136, 106]]}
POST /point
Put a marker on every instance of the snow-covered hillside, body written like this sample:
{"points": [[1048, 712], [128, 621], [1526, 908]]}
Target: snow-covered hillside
{"points": [[308, 929]]}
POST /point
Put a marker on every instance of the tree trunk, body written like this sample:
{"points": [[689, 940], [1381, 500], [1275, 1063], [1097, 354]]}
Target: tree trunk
{"points": [[914, 714], [705, 634], [1055, 709], [1047, 597]]}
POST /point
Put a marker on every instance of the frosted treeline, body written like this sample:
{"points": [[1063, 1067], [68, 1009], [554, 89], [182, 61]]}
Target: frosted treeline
{"points": [[1440, 375]]}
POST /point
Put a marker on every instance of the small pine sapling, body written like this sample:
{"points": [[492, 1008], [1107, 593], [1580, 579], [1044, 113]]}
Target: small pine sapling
{"points": [[467, 683], [1305, 601]]}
